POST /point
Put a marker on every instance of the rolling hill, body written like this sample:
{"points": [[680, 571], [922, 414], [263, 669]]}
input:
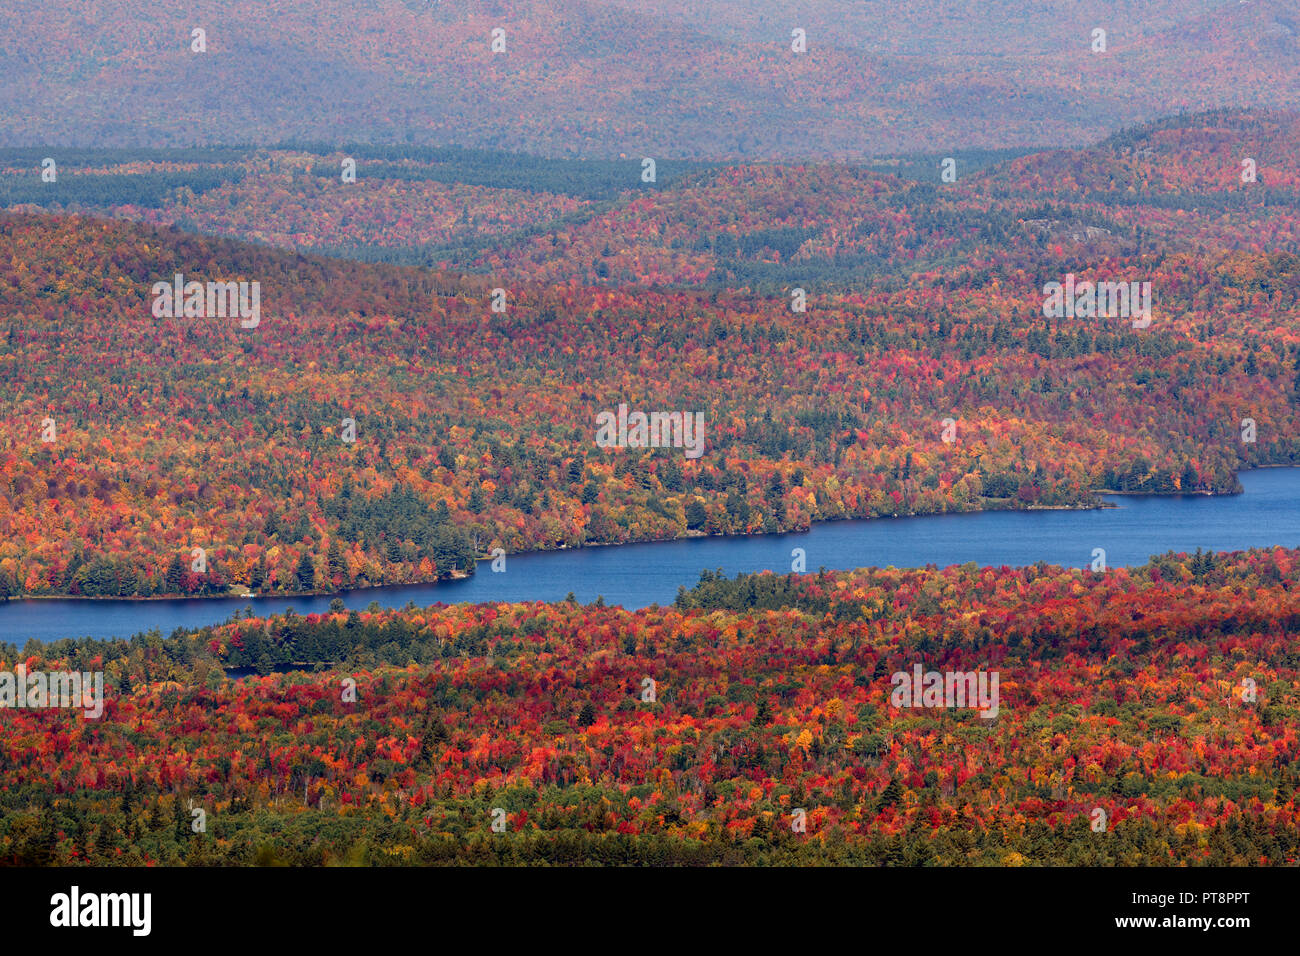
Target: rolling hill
{"points": [[597, 79]]}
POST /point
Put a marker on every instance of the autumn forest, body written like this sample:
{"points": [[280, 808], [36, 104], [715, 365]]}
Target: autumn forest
{"points": [[311, 304], [1120, 693], [924, 379]]}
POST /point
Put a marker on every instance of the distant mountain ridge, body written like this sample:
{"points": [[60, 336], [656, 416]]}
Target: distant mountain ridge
{"points": [[1174, 184], [600, 79]]}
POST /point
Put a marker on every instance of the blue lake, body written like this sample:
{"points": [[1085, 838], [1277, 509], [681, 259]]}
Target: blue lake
{"points": [[642, 574]]}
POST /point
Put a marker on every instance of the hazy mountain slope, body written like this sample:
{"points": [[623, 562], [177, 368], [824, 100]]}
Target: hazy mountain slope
{"points": [[168, 433], [1173, 185], [594, 78]]}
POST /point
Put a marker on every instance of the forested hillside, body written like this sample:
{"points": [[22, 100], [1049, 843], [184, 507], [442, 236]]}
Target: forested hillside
{"points": [[310, 307], [1160, 702], [600, 78], [1177, 185], [128, 441]]}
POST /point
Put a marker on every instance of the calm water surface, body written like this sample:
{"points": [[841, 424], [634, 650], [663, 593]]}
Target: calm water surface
{"points": [[641, 574]]}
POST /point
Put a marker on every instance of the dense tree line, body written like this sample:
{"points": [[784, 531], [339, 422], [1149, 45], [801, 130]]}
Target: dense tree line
{"points": [[1165, 696]]}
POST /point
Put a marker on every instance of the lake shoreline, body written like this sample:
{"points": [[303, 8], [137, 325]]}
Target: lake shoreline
{"points": [[688, 536], [462, 575], [1126, 533]]}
